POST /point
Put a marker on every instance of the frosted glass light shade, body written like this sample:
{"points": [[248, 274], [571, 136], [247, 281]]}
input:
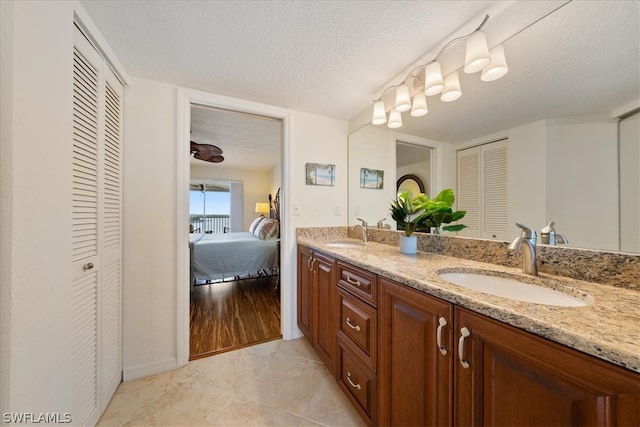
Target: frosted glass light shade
{"points": [[452, 89], [433, 82], [498, 66], [419, 107], [403, 100], [477, 54], [379, 113], [395, 119]]}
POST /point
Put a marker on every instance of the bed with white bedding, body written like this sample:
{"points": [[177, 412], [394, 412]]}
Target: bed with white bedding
{"points": [[219, 256]]}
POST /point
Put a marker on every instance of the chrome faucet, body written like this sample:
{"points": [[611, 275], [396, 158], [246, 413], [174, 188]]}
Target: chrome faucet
{"points": [[526, 242], [548, 236], [362, 227]]}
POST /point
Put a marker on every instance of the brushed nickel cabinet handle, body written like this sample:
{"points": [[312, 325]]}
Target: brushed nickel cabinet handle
{"points": [[357, 386], [443, 322], [464, 332], [353, 282], [309, 263], [352, 326], [87, 266]]}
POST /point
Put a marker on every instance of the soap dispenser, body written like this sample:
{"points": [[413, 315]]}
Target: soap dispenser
{"points": [[548, 236]]}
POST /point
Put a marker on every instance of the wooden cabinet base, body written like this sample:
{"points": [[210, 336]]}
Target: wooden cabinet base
{"points": [[516, 378], [358, 382]]}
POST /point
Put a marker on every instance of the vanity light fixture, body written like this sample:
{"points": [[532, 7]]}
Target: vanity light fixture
{"points": [[498, 66], [395, 119], [403, 100], [451, 90], [477, 58], [419, 107]]}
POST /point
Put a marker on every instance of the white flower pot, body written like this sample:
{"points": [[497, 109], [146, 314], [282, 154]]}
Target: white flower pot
{"points": [[408, 245]]}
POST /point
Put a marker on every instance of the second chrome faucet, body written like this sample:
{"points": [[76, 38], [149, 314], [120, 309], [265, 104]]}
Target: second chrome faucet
{"points": [[526, 243]]}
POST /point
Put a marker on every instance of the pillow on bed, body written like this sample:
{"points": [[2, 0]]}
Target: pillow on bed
{"points": [[255, 223], [268, 229]]}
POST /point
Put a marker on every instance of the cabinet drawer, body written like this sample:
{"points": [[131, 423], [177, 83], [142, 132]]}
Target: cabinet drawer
{"points": [[358, 382], [358, 281], [357, 326]]}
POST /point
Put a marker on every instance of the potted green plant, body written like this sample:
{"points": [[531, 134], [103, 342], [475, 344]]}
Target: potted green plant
{"points": [[420, 213], [439, 211]]}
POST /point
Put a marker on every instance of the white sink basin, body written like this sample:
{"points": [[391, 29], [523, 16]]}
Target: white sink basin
{"points": [[345, 245], [512, 289]]}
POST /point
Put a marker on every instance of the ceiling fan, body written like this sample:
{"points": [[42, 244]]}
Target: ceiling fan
{"points": [[206, 152]]}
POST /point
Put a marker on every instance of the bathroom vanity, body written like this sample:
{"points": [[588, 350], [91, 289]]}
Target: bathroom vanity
{"points": [[409, 348]]}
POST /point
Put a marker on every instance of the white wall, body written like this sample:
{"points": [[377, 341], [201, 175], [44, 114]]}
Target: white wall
{"points": [[256, 185], [526, 165], [150, 243], [323, 140], [630, 184], [526, 182], [422, 170], [582, 180], [373, 148], [37, 87], [557, 170]]}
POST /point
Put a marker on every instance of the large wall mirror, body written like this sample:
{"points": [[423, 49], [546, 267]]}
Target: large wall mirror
{"points": [[574, 151]]}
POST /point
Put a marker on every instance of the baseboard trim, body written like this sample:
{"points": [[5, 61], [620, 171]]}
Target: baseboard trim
{"points": [[141, 371]]}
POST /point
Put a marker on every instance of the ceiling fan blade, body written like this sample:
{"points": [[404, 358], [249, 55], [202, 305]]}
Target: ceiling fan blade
{"points": [[206, 152]]}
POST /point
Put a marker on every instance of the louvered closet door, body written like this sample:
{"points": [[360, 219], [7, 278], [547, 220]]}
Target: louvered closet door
{"points": [[97, 224], [469, 194], [85, 259], [494, 191], [482, 190], [111, 242]]}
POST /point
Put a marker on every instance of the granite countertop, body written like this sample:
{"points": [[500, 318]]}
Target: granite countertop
{"points": [[607, 328]]}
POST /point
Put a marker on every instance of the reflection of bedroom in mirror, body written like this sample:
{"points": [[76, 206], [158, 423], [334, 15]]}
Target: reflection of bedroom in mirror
{"points": [[234, 224]]}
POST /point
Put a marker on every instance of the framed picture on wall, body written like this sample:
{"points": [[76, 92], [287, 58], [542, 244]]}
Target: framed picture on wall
{"points": [[320, 174], [371, 178]]}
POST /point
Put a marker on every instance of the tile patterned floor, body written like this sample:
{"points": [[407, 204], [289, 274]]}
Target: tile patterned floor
{"points": [[278, 383]]}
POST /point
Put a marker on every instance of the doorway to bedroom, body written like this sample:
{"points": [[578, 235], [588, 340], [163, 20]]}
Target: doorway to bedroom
{"points": [[234, 225]]}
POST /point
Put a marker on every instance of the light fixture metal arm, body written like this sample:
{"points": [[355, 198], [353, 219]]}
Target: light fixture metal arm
{"points": [[418, 67], [457, 39]]}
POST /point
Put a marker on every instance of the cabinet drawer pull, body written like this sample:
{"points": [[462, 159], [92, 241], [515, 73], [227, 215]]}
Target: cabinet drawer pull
{"points": [[356, 386], [87, 266], [443, 323], [352, 326], [464, 332], [353, 282], [309, 263]]}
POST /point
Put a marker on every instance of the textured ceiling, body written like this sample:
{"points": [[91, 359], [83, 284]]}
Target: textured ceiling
{"points": [[324, 57], [247, 141], [332, 58]]}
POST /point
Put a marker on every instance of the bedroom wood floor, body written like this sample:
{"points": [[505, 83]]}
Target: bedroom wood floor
{"points": [[230, 315]]}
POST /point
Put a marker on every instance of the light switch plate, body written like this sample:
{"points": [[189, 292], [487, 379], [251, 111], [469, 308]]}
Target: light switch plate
{"points": [[296, 208]]}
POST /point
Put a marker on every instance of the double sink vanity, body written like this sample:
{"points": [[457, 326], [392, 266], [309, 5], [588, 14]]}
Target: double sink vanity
{"points": [[433, 339]]}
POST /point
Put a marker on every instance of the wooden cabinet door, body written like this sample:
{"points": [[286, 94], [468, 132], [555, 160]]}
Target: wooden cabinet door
{"points": [[305, 292], [325, 343], [414, 376], [511, 377]]}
